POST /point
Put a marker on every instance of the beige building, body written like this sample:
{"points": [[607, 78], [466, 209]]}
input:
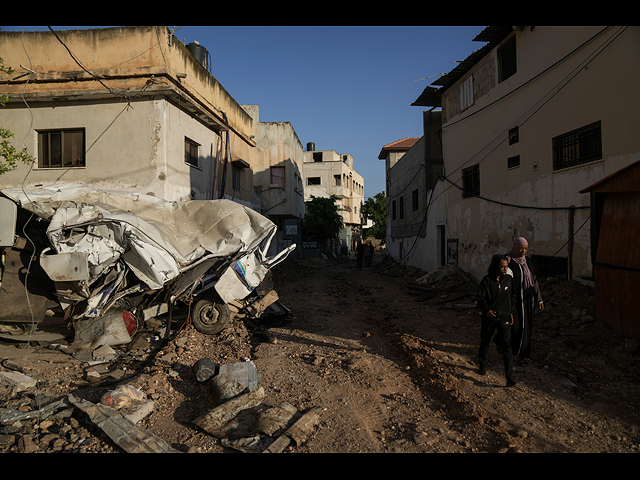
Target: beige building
{"points": [[327, 173], [277, 176], [415, 205], [529, 120], [126, 108]]}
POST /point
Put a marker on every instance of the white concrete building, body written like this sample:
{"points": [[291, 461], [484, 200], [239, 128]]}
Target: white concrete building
{"points": [[529, 120]]}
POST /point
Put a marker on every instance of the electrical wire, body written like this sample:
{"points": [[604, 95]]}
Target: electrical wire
{"points": [[551, 94], [75, 59]]}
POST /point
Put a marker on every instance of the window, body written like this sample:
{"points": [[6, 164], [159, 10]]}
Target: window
{"points": [[514, 135], [393, 210], [414, 198], [338, 180], [507, 65], [471, 181], [314, 181], [579, 146], [61, 148], [466, 93], [401, 207], [513, 162], [191, 152], [317, 156], [237, 177], [277, 176]]}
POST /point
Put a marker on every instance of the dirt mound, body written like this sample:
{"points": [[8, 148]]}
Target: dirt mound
{"points": [[389, 355]]}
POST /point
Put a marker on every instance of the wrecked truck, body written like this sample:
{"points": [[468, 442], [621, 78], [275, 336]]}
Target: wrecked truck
{"points": [[115, 259]]}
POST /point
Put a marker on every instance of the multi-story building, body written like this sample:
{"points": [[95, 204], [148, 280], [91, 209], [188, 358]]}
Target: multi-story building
{"points": [[278, 176], [528, 121], [127, 108], [327, 173], [415, 209]]}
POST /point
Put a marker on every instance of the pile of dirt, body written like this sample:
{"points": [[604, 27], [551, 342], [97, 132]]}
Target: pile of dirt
{"points": [[389, 355]]}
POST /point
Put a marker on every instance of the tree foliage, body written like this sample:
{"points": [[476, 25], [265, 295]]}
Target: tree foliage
{"points": [[375, 208], [322, 220], [9, 155]]}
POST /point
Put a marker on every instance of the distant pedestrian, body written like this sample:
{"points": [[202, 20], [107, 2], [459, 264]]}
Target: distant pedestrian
{"points": [[527, 297], [497, 300], [359, 254], [368, 254]]}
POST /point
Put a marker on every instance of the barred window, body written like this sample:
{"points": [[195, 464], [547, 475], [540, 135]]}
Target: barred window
{"points": [[579, 146]]}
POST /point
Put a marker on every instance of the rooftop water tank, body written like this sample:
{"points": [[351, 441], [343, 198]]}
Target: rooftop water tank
{"points": [[200, 53]]}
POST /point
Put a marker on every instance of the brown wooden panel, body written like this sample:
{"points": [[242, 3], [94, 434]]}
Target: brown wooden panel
{"points": [[618, 300], [619, 240]]}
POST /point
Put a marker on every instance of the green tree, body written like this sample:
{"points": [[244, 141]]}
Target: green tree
{"points": [[322, 220], [375, 208], [9, 155]]}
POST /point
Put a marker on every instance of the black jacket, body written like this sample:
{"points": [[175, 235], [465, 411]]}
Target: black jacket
{"points": [[498, 296]]}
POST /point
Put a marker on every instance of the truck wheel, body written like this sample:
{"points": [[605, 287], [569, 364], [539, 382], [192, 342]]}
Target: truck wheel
{"points": [[210, 317]]}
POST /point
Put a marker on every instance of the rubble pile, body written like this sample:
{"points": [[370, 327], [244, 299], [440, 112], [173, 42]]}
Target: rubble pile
{"points": [[115, 280]]}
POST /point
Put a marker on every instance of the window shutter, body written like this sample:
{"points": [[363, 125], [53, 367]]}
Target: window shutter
{"points": [[466, 93]]}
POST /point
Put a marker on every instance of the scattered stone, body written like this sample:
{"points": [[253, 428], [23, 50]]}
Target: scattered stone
{"points": [[19, 381]]}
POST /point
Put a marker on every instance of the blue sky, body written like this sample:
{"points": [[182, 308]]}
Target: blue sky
{"points": [[347, 89]]}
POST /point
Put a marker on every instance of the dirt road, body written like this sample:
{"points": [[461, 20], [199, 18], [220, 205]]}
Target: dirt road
{"points": [[392, 364]]}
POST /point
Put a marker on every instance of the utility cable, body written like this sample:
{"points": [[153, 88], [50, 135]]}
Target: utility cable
{"points": [[551, 94]]}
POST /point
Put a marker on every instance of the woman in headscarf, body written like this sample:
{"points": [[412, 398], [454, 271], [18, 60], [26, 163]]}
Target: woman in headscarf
{"points": [[528, 297]]}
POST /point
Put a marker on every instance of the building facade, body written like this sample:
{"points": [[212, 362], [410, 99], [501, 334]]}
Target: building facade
{"points": [[127, 108], [415, 207], [278, 176], [528, 121], [327, 173]]}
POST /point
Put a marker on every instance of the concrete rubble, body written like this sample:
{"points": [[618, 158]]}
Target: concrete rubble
{"points": [[241, 420], [120, 270]]}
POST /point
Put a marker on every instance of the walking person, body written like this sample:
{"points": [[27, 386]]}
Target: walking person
{"points": [[528, 297], [359, 254], [368, 254], [496, 300]]}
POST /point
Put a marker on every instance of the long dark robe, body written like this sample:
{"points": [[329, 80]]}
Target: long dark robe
{"points": [[526, 301]]}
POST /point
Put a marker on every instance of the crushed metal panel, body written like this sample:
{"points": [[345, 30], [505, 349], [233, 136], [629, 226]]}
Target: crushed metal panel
{"points": [[158, 238], [13, 290], [8, 219], [65, 267], [107, 234]]}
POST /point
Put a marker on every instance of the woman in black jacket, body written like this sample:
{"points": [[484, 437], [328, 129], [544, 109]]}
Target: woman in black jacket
{"points": [[496, 301]]}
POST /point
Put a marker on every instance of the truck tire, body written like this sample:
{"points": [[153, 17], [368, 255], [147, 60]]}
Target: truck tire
{"points": [[210, 317]]}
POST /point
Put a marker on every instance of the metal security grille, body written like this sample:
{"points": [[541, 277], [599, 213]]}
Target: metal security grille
{"points": [[578, 146]]}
